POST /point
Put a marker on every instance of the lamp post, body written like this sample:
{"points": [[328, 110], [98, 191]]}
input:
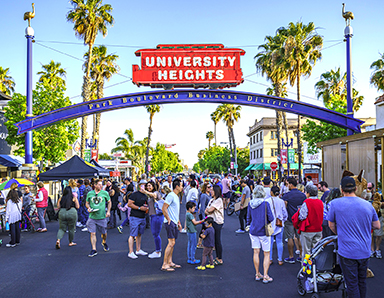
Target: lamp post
{"points": [[29, 34], [230, 154]]}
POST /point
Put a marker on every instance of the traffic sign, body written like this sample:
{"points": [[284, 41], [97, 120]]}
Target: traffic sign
{"points": [[236, 166], [273, 166]]}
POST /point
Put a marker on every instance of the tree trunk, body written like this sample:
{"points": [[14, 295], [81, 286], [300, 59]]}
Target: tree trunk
{"points": [[299, 144], [209, 143], [234, 148], [279, 128], [148, 141], [230, 142], [96, 127], [86, 92], [215, 134]]}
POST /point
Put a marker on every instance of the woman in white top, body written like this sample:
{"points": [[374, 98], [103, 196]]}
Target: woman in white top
{"points": [[13, 215], [279, 211], [215, 209]]}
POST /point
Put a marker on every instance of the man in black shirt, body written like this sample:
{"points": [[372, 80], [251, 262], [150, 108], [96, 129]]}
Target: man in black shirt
{"points": [[138, 202]]}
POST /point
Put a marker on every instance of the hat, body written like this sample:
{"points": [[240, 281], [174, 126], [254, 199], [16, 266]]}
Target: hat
{"points": [[142, 181], [127, 178], [266, 180], [348, 182]]}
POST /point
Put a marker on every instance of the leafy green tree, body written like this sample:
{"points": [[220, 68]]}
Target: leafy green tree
{"points": [[243, 160], [49, 143], [90, 17], [377, 78], [105, 156], [209, 136], [152, 110], [52, 72], [103, 67], [7, 83], [164, 160], [216, 160]]}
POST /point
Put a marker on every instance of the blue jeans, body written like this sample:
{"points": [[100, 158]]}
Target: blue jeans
{"points": [[40, 212], [127, 219], [191, 249], [355, 274], [279, 245], [156, 224]]}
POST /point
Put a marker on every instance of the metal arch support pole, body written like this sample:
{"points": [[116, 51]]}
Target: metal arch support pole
{"points": [[28, 135], [348, 36]]}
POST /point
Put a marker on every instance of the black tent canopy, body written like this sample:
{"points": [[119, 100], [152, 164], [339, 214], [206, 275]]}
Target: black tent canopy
{"points": [[74, 168]]}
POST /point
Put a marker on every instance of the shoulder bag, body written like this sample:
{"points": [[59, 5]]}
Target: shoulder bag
{"points": [[279, 222], [268, 226]]}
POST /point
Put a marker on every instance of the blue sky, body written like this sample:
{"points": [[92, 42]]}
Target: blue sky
{"points": [[145, 24]]}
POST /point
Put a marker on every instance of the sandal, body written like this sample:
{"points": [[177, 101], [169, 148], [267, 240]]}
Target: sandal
{"points": [[217, 262], [259, 276], [169, 269], [270, 262], [72, 244], [58, 244], [175, 266], [281, 263], [267, 279]]}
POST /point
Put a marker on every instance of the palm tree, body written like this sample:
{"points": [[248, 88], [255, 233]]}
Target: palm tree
{"points": [[152, 110], [53, 73], [302, 49], [7, 83], [332, 89], [215, 118], [90, 17], [377, 78], [209, 136], [269, 61], [230, 113], [103, 67]]}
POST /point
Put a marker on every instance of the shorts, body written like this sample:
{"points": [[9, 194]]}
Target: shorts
{"points": [[379, 232], [290, 231], [99, 224], [172, 231], [137, 225], [227, 195], [261, 241]]}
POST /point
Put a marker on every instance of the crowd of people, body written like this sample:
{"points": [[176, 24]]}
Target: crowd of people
{"points": [[268, 211]]}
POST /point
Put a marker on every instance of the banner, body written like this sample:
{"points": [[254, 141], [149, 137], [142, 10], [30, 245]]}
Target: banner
{"points": [[291, 155], [284, 157]]}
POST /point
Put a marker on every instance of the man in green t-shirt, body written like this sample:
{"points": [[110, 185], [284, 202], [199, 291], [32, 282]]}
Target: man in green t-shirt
{"points": [[96, 204]]}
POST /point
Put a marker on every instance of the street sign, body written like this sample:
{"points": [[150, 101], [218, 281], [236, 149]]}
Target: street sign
{"points": [[291, 155], [273, 166], [235, 166], [284, 157], [232, 165], [87, 155], [114, 174]]}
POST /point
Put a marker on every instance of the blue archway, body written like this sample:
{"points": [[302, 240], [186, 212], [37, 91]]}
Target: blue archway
{"points": [[188, 96]]}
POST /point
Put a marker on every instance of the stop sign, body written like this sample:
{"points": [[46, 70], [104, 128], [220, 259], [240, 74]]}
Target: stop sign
{"points": [[273, 166]]}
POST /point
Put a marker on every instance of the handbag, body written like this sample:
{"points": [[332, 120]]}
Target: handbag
{"points": [[159, 206], [279, 222], [268, 226]]}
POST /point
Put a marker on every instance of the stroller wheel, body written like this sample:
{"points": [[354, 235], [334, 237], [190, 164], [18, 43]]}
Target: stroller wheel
{"points": [[300, 285]]}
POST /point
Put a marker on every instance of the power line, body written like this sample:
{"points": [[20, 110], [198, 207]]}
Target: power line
{"points": [[82, 44], [113, 85]]}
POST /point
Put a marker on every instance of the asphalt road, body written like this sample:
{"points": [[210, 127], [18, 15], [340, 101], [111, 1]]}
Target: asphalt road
{"points": [[37, 269]]}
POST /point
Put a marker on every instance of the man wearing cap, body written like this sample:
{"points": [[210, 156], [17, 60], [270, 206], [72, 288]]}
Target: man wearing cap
{"points": [[352, 219], [138, 202]]}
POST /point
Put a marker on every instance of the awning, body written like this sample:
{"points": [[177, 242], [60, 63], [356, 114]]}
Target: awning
{"points": [[248, 168], [258, 167], [7, 161]]}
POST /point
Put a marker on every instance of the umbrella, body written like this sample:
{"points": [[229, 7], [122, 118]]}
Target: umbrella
{"points": [[19, 181]]}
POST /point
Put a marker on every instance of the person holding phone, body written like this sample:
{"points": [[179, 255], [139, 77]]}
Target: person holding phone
{"points": [[138, 202]]}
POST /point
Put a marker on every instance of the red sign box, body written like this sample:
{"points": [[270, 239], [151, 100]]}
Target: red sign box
{"points": [[188, 65], [114, 174], [273, 166], [284, 156]]}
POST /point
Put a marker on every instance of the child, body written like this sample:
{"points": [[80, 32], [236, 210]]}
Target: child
{"points": [[191, 222], [208, 243]]}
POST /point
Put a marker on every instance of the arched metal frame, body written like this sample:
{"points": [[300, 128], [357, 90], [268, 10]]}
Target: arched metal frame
{"points": [[188, 96]]}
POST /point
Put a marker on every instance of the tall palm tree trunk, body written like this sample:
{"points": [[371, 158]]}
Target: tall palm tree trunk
{"points": [[299, 144], [230, 142], [148, 141], [86, 93], [234, 148], [215, 136], [96, 127], [278, 136]]}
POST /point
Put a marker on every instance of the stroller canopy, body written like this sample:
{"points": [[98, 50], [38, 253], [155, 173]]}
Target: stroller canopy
{"points": [[74, 168]]}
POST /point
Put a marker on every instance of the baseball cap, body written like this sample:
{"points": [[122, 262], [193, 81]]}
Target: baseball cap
{"points": [[348, 182], [266, 180], [143, 181]]}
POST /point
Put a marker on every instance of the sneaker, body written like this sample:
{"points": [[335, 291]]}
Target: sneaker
{"points": [[189, 262], [298, 259], [78, 224], [297, 252], [141, 253], [105, 246], [92, 253], [239, 231], [289, 260], [184, 231], [120, 229], [378, 254], [372, 253], [24, 230], [85, 229], [155, 255], [10, 245], [195, 262], [132, 255], [211, 266], [200, 268]]}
